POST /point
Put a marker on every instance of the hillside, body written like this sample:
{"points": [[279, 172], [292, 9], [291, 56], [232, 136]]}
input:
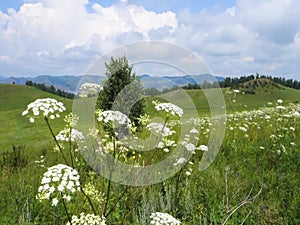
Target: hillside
{"points": [[15, 129], [260, 85], [237, 101]]}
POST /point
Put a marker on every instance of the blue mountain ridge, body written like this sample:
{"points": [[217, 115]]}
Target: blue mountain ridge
{"points": [[71, 83]]}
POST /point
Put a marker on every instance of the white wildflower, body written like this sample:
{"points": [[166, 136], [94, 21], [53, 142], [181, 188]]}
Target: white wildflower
{"points": [[87, 219], [160, 129], [203, 148], [47, 107], [194, 131], [58, 179], [159, 218], [65, 136], [180, 161], [115, 117], [169, 108], [87, 89]]}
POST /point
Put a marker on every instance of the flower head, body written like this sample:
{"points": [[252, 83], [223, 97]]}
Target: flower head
{"points": [[87, 219], [66, 135], [89, 89], [59, 179], [180, 161], [160, 129], [203, 148], [169, 108], [110, 116], [47, 107], [159, 218]]}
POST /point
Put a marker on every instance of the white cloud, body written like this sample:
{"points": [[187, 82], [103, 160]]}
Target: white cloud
{"points": [[64, 29], [65, 36]]}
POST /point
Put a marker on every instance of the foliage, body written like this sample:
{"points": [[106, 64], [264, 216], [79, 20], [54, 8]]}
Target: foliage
{"points": [[122, 90], [50, 89], [253, 180]]}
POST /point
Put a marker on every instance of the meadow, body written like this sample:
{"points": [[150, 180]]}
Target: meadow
{"points": [[254, 179]]}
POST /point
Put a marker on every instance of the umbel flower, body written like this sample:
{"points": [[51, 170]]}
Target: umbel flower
{"points": [[114, 117], [169, 108], [87, 219], [160, 129], [159, 218], [66, 136], [59, 180], [89, 88], [46, 107]]}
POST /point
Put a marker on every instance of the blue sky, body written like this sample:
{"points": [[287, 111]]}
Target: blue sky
{"points": [[153, 5], [233, 37]]}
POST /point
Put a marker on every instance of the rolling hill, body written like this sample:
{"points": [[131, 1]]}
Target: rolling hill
{"points": [[16, 130]]}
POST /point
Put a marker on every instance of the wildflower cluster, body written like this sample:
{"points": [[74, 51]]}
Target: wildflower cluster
{"points": [[71, 120], [114, 117], [72, 135], [159, 218], [169, 108], [46, 107], [87, 219], [58, 180], [92, 192], [160, 129], [89, 89], [276, 121]]}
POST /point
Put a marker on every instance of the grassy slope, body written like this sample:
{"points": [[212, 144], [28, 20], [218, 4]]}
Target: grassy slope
{"points": [[242, 101], [15, 129]]}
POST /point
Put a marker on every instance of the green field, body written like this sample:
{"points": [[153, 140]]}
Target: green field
{"points": [[15, 98], [254, 178], [15, 129]]}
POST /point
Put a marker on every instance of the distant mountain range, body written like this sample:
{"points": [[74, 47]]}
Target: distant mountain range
{"points": [[71, 83]]}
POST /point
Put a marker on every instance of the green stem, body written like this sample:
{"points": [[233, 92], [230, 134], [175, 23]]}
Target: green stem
{"points": [[53, 135], [89, 200], [66, 210], [70, 148], [109, 181]]}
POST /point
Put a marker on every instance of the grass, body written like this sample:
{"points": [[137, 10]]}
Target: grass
{"points": [[15, 129], [262, 160], [233, 102]]}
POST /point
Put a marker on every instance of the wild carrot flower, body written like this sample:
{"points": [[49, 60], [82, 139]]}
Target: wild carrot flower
{"points": [[59, 179], [180, 161], [169, 108], [46, 107], [203, 148], [89, 89], [159, 218], [115, 117], [160, 129], [87, 219], [65, 135]]}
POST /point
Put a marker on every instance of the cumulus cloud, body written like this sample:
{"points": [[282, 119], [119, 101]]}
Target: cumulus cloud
{"points": [[66, 36], [57, 31]]}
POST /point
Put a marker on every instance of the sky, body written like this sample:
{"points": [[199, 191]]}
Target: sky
{"points": [[233, 38]]}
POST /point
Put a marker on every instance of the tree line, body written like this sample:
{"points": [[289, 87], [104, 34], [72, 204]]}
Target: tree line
{"points": [[50, 89], [230, 82], [234, 82]]}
